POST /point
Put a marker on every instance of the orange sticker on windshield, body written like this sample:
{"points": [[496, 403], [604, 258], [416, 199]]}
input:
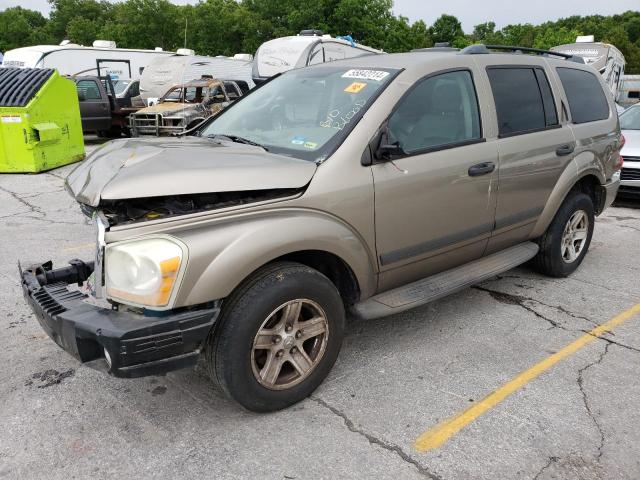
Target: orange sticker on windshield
{"points": [[355, 87]]}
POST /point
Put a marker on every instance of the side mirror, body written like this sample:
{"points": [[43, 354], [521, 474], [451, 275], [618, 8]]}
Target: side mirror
{"points": [[387, 150], [81, 96]]}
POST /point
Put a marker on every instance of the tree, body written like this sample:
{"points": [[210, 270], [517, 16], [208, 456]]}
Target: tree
{"points": [[65, 13], [20, 27], [231, 26], [482, 31], [551, 37], [446, 29]]}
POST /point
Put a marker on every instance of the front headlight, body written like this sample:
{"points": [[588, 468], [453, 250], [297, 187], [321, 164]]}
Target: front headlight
{"points": [[144, 272]]}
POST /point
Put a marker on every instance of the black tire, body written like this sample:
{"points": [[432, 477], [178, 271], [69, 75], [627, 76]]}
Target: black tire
{"points": [[229, 349], [549, 259], [114, 132]]}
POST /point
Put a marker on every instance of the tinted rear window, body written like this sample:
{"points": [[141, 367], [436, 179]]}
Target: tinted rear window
{"points": [[523, 99], [587, 101]]}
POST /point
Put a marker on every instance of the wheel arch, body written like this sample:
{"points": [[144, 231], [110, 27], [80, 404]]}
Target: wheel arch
{"points": [[588, 179], [221, 258]]}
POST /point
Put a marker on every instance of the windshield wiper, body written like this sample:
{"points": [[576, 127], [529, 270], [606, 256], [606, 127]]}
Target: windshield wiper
{"points": [[238, 139]]}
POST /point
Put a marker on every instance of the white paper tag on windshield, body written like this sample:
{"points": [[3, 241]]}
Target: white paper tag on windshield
{"points": [[376, 75]]}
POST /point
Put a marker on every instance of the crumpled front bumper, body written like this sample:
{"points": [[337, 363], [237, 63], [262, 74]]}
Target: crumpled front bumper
{"points": [[136, 345]]}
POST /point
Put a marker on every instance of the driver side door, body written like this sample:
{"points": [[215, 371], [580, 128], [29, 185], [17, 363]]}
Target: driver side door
{"points": [[435, 201]]}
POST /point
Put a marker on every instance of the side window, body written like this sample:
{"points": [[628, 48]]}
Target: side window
{"points": [[90, 89], [134, 90], [333, 51], [317, 55], [523, 99], [352, 52], [587, 101], [440, 110], [231, 90]]}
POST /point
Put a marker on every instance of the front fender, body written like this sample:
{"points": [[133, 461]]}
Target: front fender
{"points": [[224, 253]]}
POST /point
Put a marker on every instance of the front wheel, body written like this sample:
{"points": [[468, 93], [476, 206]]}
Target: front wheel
{"points": [[566, 241], [277, 338]]}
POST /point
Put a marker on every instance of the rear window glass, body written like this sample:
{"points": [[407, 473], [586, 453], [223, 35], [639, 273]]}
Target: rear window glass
{"points": [[523, 100], [587, 101]]}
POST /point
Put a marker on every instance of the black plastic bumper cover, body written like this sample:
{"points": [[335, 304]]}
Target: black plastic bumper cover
{"points": [[138, 345]]}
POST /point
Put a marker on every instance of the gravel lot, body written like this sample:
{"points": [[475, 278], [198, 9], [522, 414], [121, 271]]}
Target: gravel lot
{"points": [[395, 378]]}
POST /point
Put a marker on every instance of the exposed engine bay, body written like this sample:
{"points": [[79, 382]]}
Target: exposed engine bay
{"points": [[125, 211]]}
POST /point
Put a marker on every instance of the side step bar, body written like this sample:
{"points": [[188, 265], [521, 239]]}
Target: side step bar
{"points": [[442, 284]]}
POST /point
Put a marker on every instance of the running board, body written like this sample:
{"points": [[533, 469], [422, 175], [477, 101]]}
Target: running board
{"points": [[442, 284]]}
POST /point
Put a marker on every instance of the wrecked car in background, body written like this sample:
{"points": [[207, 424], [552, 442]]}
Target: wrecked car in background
{"points": [[184, 107]]}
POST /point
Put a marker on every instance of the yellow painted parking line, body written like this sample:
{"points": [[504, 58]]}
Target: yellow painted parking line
{"points": [[438, 435], [78, 247]]}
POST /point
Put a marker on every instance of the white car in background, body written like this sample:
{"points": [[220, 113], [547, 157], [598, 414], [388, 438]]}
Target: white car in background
{"points": [[630, 176]]}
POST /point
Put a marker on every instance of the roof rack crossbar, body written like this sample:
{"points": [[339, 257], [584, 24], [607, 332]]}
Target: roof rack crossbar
{"points": [[483, 49]]}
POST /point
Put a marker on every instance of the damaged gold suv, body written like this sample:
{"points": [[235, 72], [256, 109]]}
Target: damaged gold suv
{"points": [[370, 185]]}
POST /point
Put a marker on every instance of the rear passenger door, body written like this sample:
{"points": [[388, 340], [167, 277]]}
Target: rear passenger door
{"points": [[534, 147], [434, 203]]}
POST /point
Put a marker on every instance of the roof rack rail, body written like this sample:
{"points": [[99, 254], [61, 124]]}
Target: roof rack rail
{"points": [[480, 49]]}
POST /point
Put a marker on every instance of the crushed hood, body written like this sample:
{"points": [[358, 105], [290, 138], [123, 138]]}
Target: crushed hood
{"points": [[155, 167], [168, 108]]}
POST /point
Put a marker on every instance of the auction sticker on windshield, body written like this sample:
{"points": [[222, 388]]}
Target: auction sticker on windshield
{"points": [[355, 87], [376, 75]]}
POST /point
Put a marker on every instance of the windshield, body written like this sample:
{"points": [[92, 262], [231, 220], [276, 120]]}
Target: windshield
{"points": [[120, 85], [303, 113], [630, 119], [193, 94]]}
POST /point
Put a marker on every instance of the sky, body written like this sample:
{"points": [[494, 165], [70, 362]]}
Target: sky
{"points": [[469, 12]]}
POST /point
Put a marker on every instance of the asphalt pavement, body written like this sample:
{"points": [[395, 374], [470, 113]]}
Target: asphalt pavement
{"points": [[396, 378]]}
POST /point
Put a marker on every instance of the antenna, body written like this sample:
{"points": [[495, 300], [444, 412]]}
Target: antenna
{"points": [[186, 24]]}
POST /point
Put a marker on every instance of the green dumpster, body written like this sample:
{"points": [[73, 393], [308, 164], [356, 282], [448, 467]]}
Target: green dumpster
{"points": [[40, 126]]}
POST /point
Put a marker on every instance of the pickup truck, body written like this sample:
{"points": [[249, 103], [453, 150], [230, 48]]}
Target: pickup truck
{"points": [[184, 107], [102, 110]]}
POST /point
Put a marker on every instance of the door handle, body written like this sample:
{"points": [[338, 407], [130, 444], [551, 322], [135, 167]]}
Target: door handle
{"points": [[481, 169], [565, 150]]}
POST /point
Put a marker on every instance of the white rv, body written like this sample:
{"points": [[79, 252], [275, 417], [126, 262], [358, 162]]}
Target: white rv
{"points": [[70, 59], [163, 73], [307, 48], [630, 93], [605, 58]]}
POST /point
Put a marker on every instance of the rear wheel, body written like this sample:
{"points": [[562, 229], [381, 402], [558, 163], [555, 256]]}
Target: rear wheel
{"points": [[566, 241], [277, 338]]}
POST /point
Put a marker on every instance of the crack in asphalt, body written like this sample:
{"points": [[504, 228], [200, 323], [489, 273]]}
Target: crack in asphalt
{"points": [[376, 441], [33, 210], [613, 342], [511, 299], [629, 226], [585, 399], [551, 461]]}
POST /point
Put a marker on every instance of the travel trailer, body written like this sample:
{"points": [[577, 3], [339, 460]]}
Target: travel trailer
{"points": [[103, 58], [307, 48], [630, 92], [605, 58], [165, 72]]}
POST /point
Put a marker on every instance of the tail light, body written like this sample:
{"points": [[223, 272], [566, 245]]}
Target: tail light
{"points": [[620, 162]]}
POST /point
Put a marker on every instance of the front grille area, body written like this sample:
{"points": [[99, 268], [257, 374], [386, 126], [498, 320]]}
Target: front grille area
{"points": [[146, 123], [630, 174], [628, 158]]}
